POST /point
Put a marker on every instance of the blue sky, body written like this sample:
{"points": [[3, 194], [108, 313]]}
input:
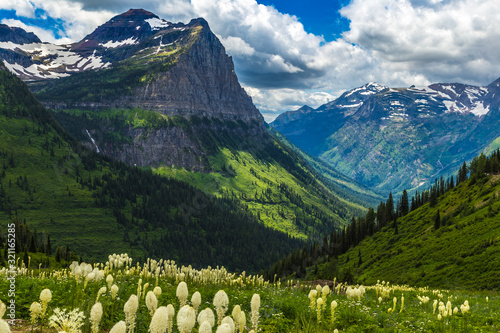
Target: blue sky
{"points": [[291, 53], [321, 17]]}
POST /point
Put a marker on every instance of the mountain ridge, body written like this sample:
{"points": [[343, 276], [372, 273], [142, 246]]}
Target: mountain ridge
{"points": [[437, 127]]}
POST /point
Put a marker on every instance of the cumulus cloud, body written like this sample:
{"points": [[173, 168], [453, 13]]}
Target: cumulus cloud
{"points": [[442, 40], [282, 66], [274, 101]]}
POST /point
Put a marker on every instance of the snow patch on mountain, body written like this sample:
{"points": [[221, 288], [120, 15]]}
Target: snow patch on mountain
{"points": [[480, 109], [157, 24], [115, 44]]}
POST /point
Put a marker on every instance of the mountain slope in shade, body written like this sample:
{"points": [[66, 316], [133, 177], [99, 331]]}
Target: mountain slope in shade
{"points": [[394, 139]]}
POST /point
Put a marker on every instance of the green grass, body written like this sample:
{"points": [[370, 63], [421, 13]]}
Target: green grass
{"points": [[463, 253]]}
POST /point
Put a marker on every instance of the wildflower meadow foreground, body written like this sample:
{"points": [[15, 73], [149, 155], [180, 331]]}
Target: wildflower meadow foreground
{"points": [[158, 296]]}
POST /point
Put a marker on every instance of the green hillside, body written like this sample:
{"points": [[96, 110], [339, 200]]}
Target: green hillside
{"points": [[262, 172], [92, 203], [449, 238], [343, 186], [464, 252]]}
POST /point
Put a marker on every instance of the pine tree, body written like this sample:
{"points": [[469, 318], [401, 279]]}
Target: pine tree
{"points": [[381, 215], [48, 249], [405, 206], [389, 208], [437, 220], [433, 196], [58, 254], [370, 221]]}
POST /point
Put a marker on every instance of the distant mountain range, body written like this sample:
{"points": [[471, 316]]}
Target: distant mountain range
{"points": [[398, 138]]}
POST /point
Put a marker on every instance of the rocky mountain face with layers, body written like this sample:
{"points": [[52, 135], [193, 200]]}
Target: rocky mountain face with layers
{"points": [[139, 61], [395, 139]]}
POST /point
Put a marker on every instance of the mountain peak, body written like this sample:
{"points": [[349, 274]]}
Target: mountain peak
{"points": [[17, 35], [306, 108], [134, 26], [135, 14]]}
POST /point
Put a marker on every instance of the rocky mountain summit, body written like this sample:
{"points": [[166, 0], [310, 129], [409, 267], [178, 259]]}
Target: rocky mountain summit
{"points": [[175, 69]]}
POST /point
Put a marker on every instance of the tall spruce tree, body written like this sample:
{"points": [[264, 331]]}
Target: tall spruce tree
{"points": [[437, 220], [405, 205], [389, 208]]}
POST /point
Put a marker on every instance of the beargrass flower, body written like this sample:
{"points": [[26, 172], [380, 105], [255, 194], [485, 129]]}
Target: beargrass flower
{"points": [[312, 298], [3, 308], [205, 327], [151, 302], [114, 291], [170, 317], [130, 309], [101, 291], [320, 306], [96, 316], [157, 291], [228, 320], [120, 327], [159, 322], [109, 280], [255, 305], [45, 298], [236, 315], [333, 306], [206, 315], [221, 301], [69, 322], [224, 328], [4, 326], [182, 293], [36, 310], [186, 319], [196, 301], [242, 321]]}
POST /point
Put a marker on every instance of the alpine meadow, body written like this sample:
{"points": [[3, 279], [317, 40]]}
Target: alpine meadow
{"points": [[153, 178]]}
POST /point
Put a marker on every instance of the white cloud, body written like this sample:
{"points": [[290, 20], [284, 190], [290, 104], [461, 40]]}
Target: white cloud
{"points": [[442, 40], [274, 101], [23, 8]]}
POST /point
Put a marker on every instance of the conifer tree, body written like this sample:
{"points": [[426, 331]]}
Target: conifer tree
{"points": [[389, 208], [405, 206], [437, 220], [433, 196]]}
